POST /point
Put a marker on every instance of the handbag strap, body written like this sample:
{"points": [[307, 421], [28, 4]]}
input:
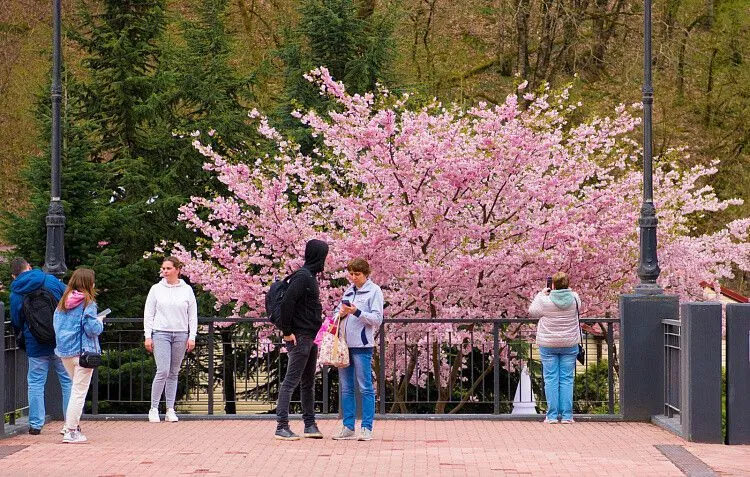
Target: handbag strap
{"points": [[83, 332], [578, 318]]}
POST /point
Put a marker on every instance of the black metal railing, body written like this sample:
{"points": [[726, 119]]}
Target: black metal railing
{"points": [[13, 371], [459, 366], [672, 330], [233, 371]]}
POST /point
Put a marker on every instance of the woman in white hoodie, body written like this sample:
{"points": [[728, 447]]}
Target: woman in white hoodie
{"points": [[170, 323], [557, 336]]}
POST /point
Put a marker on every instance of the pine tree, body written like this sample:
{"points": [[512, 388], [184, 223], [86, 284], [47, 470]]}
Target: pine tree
{"points": [[355, 47], [126, 170]]}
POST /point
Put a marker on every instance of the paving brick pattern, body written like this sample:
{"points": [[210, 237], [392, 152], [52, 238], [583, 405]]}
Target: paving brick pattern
{"points": [[419, 448]]}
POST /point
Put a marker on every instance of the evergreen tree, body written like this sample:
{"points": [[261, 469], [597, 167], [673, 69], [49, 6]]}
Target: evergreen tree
{"points": [[126, 169], [82, 195], [355, 47]]}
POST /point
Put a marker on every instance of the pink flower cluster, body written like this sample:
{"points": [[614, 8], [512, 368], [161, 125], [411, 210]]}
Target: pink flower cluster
{"points": [[461, 213]]}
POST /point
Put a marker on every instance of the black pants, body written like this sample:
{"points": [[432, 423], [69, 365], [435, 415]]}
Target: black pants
{"points": [[300, 371]]}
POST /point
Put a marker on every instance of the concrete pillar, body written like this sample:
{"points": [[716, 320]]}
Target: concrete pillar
{"points": [[700, 372], [642, 353], [738, 374]]}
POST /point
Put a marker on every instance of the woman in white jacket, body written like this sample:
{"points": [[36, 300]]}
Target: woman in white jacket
{"points": [[170, 323], [557, 336]]}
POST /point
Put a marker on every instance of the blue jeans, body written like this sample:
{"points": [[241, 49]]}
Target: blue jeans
{"points": [[36, 379], [360, 365], [558, 367]]}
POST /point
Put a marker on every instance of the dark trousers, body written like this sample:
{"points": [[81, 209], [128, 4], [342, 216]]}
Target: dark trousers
{"points": [[300, 371]]}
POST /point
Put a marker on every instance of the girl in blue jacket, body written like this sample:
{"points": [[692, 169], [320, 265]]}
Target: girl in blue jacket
{"points": [[77, 329]]}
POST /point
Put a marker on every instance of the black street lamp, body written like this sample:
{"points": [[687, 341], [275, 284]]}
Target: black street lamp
{"points": [[54, 257], [648, 265]]}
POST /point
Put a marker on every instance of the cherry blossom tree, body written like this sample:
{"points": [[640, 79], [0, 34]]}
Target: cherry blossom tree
{"points": [[462, 213]]}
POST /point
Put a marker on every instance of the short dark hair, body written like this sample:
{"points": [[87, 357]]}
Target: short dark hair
{"points": [[359, 265], [18, 265]]}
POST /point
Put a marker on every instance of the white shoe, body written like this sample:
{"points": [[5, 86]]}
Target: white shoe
{"points": [[65, 429], [365, 434], [74, 437], [171, 416], [345, 434], [153, 415]]}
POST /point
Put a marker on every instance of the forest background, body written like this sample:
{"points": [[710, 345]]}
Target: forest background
{"points": [[202, 64]]}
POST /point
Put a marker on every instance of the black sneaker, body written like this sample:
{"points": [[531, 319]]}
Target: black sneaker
{"points": [[286, 434], [312, 432], [34, 431]]}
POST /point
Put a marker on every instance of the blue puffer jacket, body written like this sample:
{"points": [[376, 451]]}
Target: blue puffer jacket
{"points": [[71, 338], [25, 283]]}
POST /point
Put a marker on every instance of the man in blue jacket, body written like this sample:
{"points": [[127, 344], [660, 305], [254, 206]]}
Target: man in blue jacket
{"points": [[41, 356]]}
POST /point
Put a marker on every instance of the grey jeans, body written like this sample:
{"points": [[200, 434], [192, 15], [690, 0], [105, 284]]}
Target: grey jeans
{"points": [[169, 349]]}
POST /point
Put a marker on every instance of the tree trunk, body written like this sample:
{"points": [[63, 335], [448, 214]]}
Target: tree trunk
{"points": [[230, 393], [709, 89], [399, 392], [365, 9], [522, 38], [544, 54]]}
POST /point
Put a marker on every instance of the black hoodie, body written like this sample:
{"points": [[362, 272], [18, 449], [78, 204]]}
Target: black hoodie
{"points": [[301, 310]]}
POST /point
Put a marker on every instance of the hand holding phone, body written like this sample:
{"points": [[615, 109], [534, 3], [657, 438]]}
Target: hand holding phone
{"points": [[549, 282], [346, 302], [103, 314]]}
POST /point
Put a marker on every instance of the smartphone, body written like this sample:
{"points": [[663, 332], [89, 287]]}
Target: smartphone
{"points": [[103, 314], [549, 282], [346, 302]]}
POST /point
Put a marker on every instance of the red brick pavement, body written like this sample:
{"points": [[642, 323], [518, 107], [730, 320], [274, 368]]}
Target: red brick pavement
{"points": [[421, 448]]}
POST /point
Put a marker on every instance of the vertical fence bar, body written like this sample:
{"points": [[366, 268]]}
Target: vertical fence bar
{"points": [[611, 368], [381, 377], [3, 387], [496, 365], [324, 373], [94, 393], [210, 368]]}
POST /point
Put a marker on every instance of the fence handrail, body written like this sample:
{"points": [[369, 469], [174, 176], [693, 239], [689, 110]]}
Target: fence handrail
{"points": [[218, 319]]}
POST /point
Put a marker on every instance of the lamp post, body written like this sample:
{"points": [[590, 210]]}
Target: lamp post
{"points": [[54, 257], [648, 264]]}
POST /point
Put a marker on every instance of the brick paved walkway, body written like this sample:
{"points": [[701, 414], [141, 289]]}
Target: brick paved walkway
{"points": [[420, 448]]}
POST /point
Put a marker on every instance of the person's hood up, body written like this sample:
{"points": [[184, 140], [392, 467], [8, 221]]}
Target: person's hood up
{"points": [[74, 299], [316, 252], [563, 299], [28, 281]]}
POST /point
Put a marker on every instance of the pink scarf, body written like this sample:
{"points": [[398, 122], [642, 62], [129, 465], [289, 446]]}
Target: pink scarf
{"points": [[74, 299]]}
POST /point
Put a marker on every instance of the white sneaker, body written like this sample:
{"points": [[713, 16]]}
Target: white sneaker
{"points": [[74, 437], [345, 434], [171, 416], [65, 429], [365, 434], [153, 415]]}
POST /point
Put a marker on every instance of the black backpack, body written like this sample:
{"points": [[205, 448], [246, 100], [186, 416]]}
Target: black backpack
{"points": [[39, 311], [274, 298]]}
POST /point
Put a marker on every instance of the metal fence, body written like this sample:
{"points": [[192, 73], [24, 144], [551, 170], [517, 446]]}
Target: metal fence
{"points": [[459, 366], [13, 370], [672, 330]]}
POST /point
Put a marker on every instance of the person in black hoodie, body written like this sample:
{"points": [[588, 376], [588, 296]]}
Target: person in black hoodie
{"points": [[301, 317]]}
